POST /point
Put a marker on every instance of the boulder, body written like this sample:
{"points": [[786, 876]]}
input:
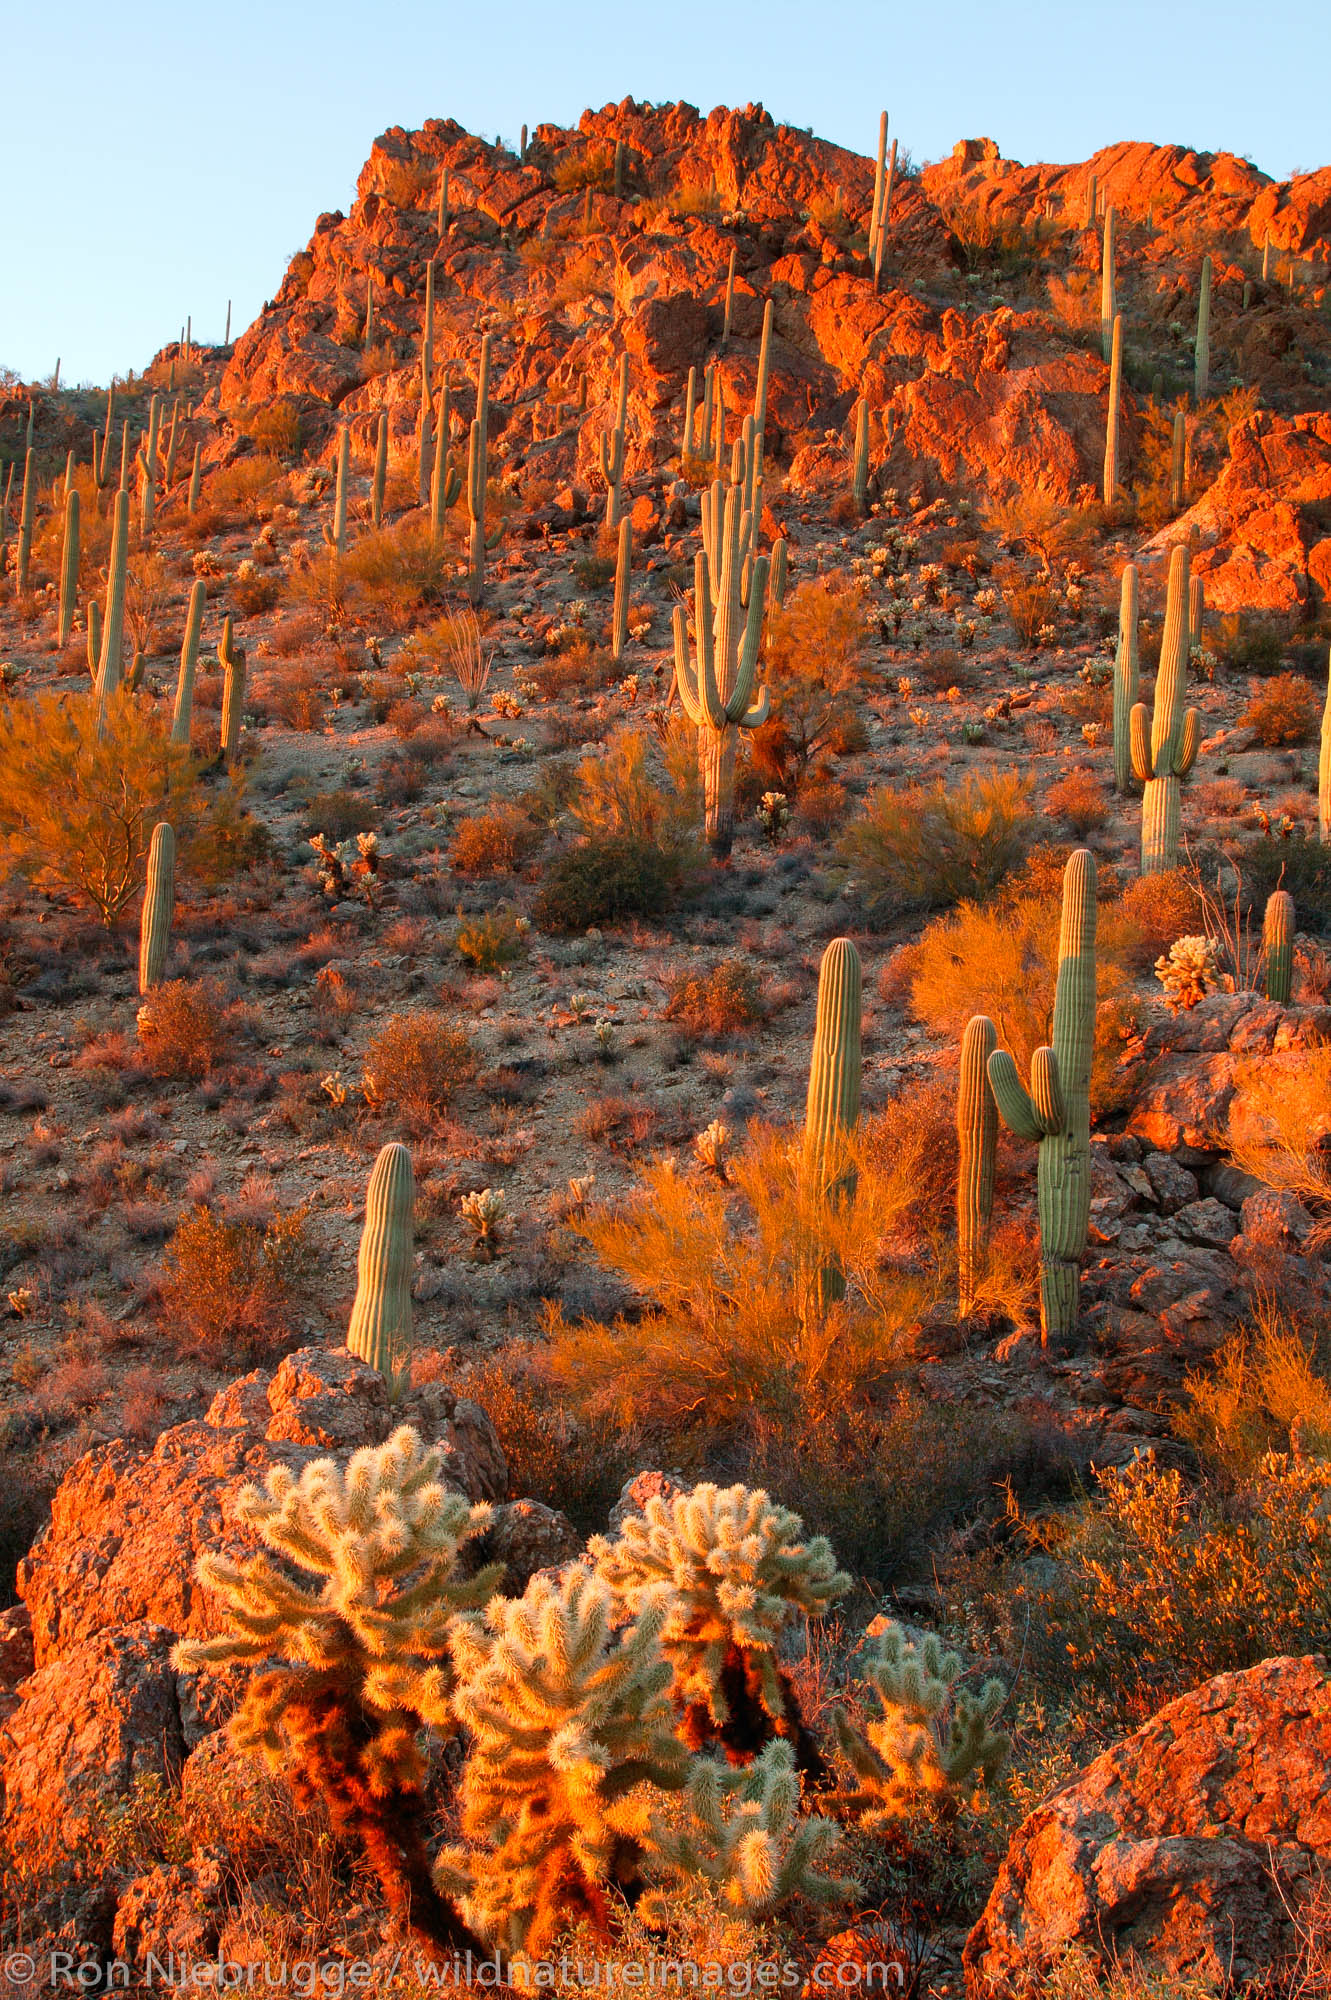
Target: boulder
{"points": [[1184, 1107], [1185, 1846]]}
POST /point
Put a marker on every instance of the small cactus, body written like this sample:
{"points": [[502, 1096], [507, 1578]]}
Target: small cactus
{"points": [[381, 1324], [485, 1211], [1178, 464], [860, 473], [1278, 945], [932, 1739], [159, 900]]}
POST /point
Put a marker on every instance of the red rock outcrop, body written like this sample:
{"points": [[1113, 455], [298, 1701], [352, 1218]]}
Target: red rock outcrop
{"points": [[1264, 527], [1186, 1846]]}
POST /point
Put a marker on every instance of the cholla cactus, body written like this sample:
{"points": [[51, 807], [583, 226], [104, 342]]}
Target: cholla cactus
{"points": [[485, 1212], [1188, 971], [568, 1719], [738, 1572], [774, 815], [712, 1146], [363, 1650], [743, 1834], [932, 1740]]}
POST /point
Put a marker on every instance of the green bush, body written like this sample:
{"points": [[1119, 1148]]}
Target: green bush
{"points": [[924, 847], [606, 879]]}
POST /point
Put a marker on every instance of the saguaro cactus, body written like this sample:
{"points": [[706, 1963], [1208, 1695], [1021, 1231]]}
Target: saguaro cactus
{"points": [[860, 475], [69, 566], [195, 480], [1115, 358], [1201, 378], [832, 1109], [147, 463], [1108, 298], [445, 485], [730, 298], [477, 479], [336, 536], [232, 658], [760, 392], [619, 623], [885, 217], [977, 1146], [776, 589], [1055, 1111], [380, 470], [113, 625], [610, 450], [189, 659], [159, 902], [1278, 945], [1125, 678], [1178, 464], [875, 213], [27, 507], [1171, 750], [381, 1326], [716, 695]]}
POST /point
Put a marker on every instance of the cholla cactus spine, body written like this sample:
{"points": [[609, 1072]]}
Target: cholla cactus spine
{"points": [[232, 658], [745, 1837], [569, 1720], [159, 901], [1172, 748], [931, 1740], [1126, 678], [619, 622], [69, 566], [716, 694], [1278, 927], [380, 1332], [977, 1146], [189, 658], [1056, 1110], [738, 1571]]}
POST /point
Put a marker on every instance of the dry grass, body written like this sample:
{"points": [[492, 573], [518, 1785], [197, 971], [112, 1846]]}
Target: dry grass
{"points": [[813, 667], [1268, 1390], [924, 847], [1280, 1122], [186, 1029], [716, 1002], [1080, 800], [231, 1290], [494, 842], [1285, 710], [414, 1065]]}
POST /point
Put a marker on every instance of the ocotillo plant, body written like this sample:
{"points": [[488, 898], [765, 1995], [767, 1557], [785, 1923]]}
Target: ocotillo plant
{"points": [[1278, 945], [1111, 420], [716, 694], [1171, 750], [189, 658], [977, 1146], [1125, 678], [381, 1328], [1201, 379], [619, 623], [232, 659], [610, 450], [69, 566], [832, 1109], [113, 626], [1178, 464], [860, 473], [1324, 771], [1056, 1110], [27, 507], [159, 901], [1108, 297], [380, 470]]}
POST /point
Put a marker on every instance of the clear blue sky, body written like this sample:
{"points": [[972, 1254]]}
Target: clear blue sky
{"points": [[159, 158]]}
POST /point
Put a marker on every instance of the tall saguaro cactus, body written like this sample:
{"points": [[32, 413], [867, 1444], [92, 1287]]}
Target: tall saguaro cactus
{"points": [[610, 450], [716, 694], [832, 1109], [336, 536], [380, 1331], [1108, 290], [760, 392], [159, 901], [380, 479], [875, 213], [189, 660], [113, 625], [1125, 678], [232, 658], [977, 1148], [1178, 464], [1278, 945], [69, 566], [1115, 358], [27, 507], [1201, 378], [1056, 1110], [1324, 771], [619, 623], [860, 474], [1170, 751]]}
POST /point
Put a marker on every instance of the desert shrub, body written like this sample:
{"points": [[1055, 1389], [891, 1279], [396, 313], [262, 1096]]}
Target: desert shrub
{"points": [[1030, 602], [1285, 711], [1153, 910], [593, 572], [605, 880], [494, 842], [393, 570], [620, 1124], [234, 1290], [1301, 865], [1159, 1586], [295, 695], [578, 668], [1081, 800], [1280, 1122], [924, 847], [253, 594], [812, 671], [1248, 643], [823, 805], [736, 1322], [1268, 1390], [340, 815], [78, 807], [489, 942], [414, 1065], [586, 166], [275, 428], [1036, 520], [408, 183], [186, 1029], [717, 1001], [640, 789], [250, 487]]}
